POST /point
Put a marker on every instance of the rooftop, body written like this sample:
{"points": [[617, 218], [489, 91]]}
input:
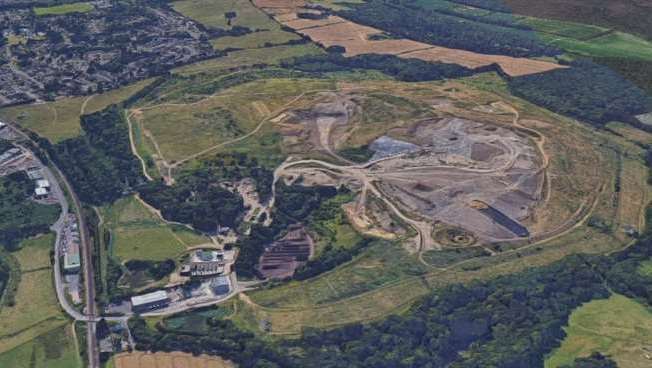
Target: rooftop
{"points": [[149, 298]]}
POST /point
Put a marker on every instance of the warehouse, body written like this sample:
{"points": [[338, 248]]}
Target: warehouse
{"points": [[147, 302]]}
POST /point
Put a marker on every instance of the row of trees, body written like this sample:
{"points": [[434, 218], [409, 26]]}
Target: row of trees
{"points": [[408, 70]]}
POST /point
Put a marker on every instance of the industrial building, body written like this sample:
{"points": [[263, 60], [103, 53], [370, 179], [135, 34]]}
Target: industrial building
{"points": [[205, 263], [221, 285], [147, 302]]}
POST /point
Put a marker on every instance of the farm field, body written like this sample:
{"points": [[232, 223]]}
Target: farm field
{"points": [[81, 7], [36, 310], [336, 31], [167, 360], [253, 40], [59, 120], [41, 352], [625, 339], [267, 55], [137, 233], [630, 16]]}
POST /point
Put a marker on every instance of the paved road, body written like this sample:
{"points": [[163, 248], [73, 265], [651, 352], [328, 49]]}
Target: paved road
{"points": [[56, 178]]}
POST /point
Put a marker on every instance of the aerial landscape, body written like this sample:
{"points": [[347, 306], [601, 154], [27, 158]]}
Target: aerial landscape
{"points": [[325, 183]]}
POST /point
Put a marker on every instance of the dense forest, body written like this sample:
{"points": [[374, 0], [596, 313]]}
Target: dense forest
{"points": [[99, 163], [198, 199], [20, 217], [585, 91], [510, 321], [407, 70], [402, 18]]}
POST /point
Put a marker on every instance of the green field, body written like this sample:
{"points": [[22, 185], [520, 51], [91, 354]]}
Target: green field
{"points": [[59, 120], [137, 233], [36, 310], [589, 40], [53, 349], [268, 55], [223, 117], [253, 40], [646, 268], [211, 13], [382, 263], [618, 327], [64, 9]]}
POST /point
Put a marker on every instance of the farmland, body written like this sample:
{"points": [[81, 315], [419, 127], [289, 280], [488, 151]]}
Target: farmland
{"points": [[336, 31], [137, 233], [630, 16], [213, 14], [164, 360], [36, 310], [625, 339], [41, 352]]}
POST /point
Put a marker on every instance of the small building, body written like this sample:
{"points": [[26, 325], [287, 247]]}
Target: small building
{"points": [[43, 183], [40, 193], [71, 262], [2, 125], [35, 173], [220, 285], [147, 302]]}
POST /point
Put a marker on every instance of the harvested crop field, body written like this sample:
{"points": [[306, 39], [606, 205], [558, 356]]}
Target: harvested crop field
{"points": [[168, 360], [357, 40]]}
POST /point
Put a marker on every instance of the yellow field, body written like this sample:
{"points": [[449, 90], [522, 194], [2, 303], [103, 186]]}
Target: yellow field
{"points": [[618, 327], [168, 360], [59, 120]]}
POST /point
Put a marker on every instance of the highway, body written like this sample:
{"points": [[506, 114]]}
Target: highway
{"points": [[56, 178]]}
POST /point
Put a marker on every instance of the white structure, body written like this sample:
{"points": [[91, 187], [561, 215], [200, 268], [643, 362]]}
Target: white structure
{"points": [[146, 302]]}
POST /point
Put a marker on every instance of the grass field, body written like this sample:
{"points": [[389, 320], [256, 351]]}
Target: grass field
{"points": [[182, 130], [617, 326], [53, 349], [380, 264], [211, 13], [64, 9], [137, 233], [253, 40], [36, 310], [268, 55], [59, 120], [646, 268]]}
